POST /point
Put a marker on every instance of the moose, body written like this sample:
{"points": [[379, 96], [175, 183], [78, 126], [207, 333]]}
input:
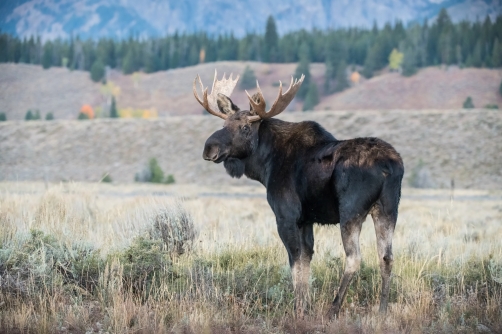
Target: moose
{"points": [[310, 178]]}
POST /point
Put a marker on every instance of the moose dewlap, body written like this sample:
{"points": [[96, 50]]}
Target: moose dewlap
{"points": [[311, 177]]}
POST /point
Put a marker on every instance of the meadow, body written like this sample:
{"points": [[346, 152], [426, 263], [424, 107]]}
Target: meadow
{"points": [[142, 258]]}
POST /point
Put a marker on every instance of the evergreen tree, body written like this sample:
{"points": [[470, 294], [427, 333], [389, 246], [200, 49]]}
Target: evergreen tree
{"points": [[370, 63], [475, 58], [271, 41], [468, 104], [409, 66], [3, 117], [312, 98], [248, 79], [303, 68], [500, 89], [49, 116], [128, 65], [113, 109], [341, 77], [28, 116], [97, 71], [47, 57], [496, 60], [329, 75]]}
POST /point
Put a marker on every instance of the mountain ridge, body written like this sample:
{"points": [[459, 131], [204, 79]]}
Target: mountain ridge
{"points": [[52, 19]]}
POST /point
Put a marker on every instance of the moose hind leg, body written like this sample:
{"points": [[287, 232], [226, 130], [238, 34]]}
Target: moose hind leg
{"points": [[350, 230], [384, 228]]}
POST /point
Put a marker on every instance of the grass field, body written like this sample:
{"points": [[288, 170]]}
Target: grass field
{"points": [[89, 257]]}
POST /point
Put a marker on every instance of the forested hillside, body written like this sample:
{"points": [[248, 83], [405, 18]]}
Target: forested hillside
{"points": [[469, 44]]}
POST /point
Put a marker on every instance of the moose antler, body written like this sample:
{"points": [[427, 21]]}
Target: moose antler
{"points": [[280, 103], [223, 86]]}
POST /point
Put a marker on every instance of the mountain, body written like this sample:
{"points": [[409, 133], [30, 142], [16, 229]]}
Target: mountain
{"points": [[121, 18]]}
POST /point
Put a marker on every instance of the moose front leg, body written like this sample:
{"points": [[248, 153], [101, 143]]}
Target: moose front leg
{"points": [[299, 242]]}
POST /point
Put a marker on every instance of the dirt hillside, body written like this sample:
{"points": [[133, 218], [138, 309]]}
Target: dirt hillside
{"points": [[63, 92], [437, 146]]}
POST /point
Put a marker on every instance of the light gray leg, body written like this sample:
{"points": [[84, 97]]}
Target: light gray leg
{"points": [[384, 228], [350, 238]]}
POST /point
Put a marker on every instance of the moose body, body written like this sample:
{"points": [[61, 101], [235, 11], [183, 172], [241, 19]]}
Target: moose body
{"points": [[311, 177]]}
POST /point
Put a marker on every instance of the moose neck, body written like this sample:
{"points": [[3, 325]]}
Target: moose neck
{"points": [[272, 136]]}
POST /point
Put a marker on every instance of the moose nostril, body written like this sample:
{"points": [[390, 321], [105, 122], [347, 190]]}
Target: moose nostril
{"points": [[211, 153]]}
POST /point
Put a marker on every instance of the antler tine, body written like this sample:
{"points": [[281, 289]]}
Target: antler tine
{"points": [[280, 103], [205, 101]]}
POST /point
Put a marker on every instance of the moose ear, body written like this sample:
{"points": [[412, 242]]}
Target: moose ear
{"points": [[226, 105]]}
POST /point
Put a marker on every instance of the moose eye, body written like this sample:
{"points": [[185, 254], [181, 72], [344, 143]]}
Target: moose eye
{"points": [[245, 128]]}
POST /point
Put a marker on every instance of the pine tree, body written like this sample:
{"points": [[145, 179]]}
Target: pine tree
{"points": [[497, 54], [468, 104], [341, 77], [248, 79], [28, 116], [47, 56], [409, 66], [113, 109], [312, 98], [97, 71], [271, 40], [128, 65]]}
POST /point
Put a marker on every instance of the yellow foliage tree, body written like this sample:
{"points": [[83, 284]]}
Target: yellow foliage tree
{"points": [[395, 60]]}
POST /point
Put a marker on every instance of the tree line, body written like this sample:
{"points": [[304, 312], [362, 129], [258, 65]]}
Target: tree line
{"points": [[469, 44]]}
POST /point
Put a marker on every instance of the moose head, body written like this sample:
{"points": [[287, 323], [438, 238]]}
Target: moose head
{"points": [[238, 138]]}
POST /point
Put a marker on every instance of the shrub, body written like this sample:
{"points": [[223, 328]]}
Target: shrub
{"points": [[157, 175], [170, 179], [175, 228], [3, 117], [468, 104], [106, 178], [248, 80], [153, 173], [32, 263], [32, 115], [49, 116], [82, 116], [491, 106], [149, 257]]}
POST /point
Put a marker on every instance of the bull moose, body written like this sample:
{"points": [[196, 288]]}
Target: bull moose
{"points": [[310, 177]]}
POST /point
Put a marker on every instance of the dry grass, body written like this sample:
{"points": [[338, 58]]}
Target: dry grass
{"points": [[82, 258]]}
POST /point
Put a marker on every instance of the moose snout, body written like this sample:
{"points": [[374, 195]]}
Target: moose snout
{"points": [[211, 152], [216, 147]]}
